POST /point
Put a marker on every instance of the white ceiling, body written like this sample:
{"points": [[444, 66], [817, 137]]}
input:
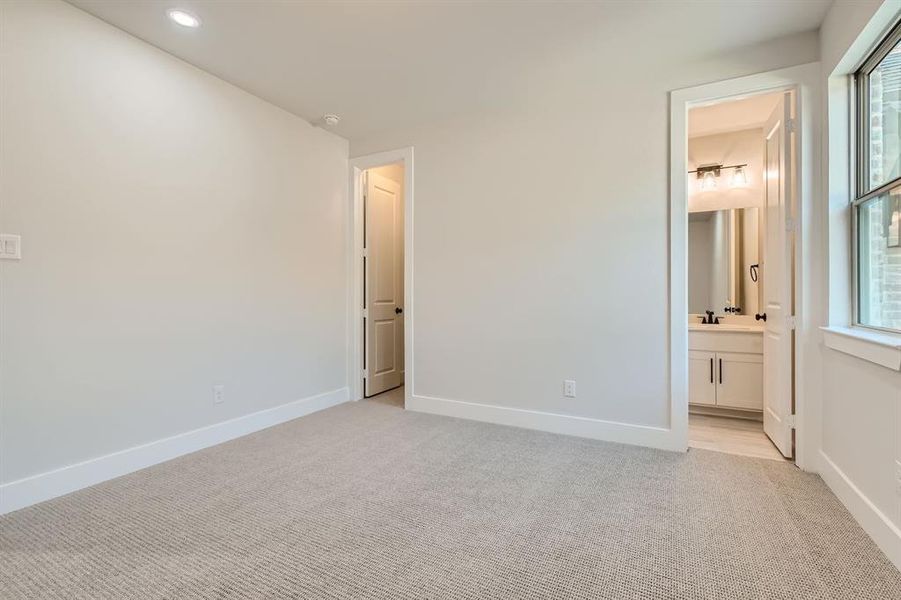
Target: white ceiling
{"points": [[732, 115], [384, 64]]}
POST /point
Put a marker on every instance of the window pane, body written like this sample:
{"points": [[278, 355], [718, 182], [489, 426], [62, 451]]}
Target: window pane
{"points": [[885, 118], [879, 261]]}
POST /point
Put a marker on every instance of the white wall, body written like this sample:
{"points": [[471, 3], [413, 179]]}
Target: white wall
{"points": [[841, 42], [177, 233], [540, 250], [859, 418]]}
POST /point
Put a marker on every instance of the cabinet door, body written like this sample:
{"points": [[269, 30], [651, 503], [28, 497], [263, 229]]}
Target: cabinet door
{"points": [[739, 380], [701, 386]]}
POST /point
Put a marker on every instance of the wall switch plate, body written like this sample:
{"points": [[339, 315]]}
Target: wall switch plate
{"points": [[10, 246], [218, 394], [569, 388]]}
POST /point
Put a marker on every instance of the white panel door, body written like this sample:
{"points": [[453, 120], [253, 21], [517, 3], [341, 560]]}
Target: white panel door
{"points": [[777, 276], [701, 387], [383, 285]]}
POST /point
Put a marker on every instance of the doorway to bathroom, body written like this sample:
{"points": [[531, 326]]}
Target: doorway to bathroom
{"points": [[740, 172], [739, 195], [383, 279], [380, 311]]}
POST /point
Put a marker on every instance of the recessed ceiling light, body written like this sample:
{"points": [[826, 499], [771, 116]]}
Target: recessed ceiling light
{"points": [[183, 18]]}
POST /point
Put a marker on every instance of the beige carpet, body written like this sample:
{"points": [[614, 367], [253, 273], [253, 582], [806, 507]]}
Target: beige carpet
{"points": [[365, 500]]}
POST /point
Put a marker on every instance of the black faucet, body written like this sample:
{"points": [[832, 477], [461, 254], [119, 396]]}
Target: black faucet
{"points": [[710, 319]]}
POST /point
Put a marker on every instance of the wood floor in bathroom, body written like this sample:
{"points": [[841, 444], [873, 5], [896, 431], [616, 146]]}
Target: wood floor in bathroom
{"points": [[733, 436]]}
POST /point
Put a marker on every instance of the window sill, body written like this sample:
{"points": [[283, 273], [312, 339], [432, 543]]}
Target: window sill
{"points": [[875, 346]]}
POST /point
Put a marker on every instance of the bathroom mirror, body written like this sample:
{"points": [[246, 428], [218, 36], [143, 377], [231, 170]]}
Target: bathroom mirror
{"points": [[724, 261]]}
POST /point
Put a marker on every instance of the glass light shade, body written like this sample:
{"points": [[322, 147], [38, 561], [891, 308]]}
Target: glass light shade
{"points": [[739, 177]]}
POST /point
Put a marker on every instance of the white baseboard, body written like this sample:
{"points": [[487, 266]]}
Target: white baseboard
{"points": [[609, 431], [877, 525], [44, 486]]}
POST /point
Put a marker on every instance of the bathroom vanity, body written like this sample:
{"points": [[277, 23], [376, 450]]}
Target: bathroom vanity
{"points": [[725, 366]]}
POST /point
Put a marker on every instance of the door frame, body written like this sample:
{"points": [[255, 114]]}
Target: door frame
{"points": [[805, 81], [355, 267]]}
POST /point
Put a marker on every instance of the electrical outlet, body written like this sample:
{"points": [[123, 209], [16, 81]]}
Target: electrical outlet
{"points": [[569, 388], [218, 394], [10, 246]]}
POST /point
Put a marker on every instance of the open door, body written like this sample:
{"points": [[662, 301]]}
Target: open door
{"points": [[778, 276], [383, 284]]}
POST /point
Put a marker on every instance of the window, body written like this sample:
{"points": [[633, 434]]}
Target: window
{"points": [[877, 205]]}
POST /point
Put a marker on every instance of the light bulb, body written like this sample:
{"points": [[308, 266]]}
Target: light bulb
{"points": [[739, 177], [708, 181]]}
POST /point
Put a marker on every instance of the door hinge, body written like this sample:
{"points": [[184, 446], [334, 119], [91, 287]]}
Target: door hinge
{"points": [[791, 322], [365, 373], [365, 313], [365, 252], [790, 421], [791, 125]]}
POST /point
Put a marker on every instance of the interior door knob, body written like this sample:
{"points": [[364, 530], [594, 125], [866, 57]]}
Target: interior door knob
{"points": [[760, 317], [398, 310]]}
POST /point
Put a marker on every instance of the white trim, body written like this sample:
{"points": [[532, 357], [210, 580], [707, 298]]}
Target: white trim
{"points": [[355, 267], [877, 525], [610, 431], [805, 79], [44, 486], [881, 348]]}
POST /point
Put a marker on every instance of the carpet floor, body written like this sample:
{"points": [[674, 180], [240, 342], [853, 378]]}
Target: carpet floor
{"points": [[365, 500]]}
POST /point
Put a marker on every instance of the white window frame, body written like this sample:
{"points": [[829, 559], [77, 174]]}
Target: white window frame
{"points": [[860, 120]]}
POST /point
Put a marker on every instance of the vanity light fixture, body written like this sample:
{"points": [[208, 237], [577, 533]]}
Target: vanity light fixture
{"points": [[708, 175], [185, 19]]}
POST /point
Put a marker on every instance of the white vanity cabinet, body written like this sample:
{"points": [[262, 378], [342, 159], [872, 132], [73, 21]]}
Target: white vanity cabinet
{"points": [[702, 377], [739, 382], [725, 369]]}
